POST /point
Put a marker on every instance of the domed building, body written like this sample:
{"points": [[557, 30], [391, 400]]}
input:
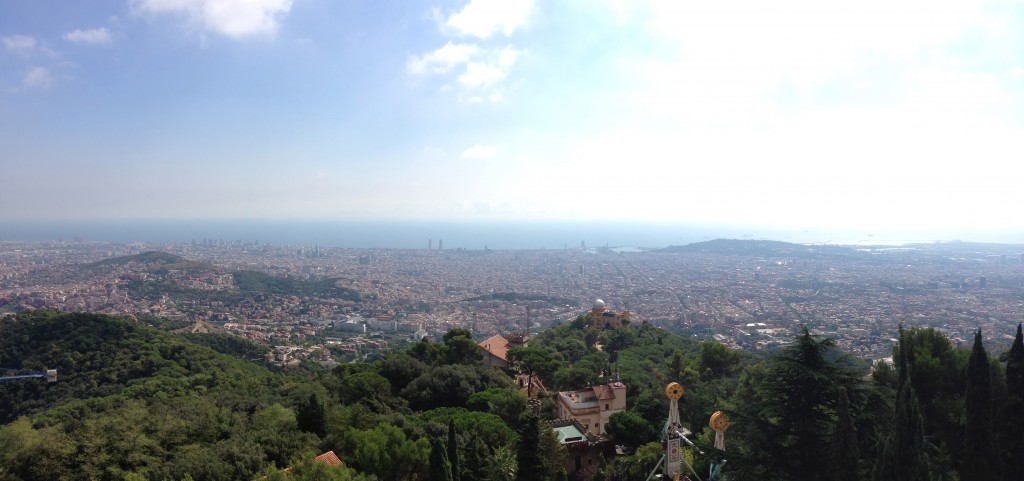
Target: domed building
{"points": [[603, 318]]}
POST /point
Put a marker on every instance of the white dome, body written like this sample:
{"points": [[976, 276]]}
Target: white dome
{"points": [[598, 304]]}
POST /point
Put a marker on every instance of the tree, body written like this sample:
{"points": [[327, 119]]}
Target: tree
{"points": [[400, 370], [307, 469], [903, 456], [981, 460], [386, 452], [534, 360], [440, 469], [801, 391], [937, 373], [486, 428], [1013, 417], [460, 347], [531, 460], [616, 340], [844, 458], [718, 359], [630, 429], [452, 385], [363, 386], [453, 450], [503, 465], [573, 378], [507, 403], [310, 416]]}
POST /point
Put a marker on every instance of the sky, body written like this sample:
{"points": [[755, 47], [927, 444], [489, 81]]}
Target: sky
{"points": [[871, 114]]}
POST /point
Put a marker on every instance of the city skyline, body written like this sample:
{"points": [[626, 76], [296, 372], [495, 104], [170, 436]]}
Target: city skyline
{"points": [[799, 115]]}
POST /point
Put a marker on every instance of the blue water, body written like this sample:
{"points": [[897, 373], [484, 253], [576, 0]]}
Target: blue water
{"points": [[455, 235]]}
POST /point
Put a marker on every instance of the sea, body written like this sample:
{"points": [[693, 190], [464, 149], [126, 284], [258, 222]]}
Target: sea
{"points": [[622, 236]]}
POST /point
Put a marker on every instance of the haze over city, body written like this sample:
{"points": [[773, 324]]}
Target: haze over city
{"points": [[862, 116]]}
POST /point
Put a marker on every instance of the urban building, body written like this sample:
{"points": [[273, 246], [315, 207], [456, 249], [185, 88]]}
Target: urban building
{"points": [[603, 318]]}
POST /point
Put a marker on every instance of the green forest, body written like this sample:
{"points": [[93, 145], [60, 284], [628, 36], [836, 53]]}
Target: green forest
{"points": [[136, 403]]}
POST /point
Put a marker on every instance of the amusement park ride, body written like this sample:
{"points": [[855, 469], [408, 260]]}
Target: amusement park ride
{"points": [[13, 374], [674, 435]]}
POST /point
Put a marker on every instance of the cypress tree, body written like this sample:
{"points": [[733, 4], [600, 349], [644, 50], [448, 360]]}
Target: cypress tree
{"points": [[843, 461], [531, 462], [453, 450], [1013, 425], [981, 461], [904, 457], [440, 469]]}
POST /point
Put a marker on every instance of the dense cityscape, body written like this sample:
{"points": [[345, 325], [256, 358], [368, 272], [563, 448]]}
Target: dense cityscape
{"points": [[745, 294]]}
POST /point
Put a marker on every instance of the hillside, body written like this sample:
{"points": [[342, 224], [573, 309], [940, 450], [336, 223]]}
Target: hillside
{"points": [[248, 283], [133, 399], [768, 248], [155, 260], [136, 403]]}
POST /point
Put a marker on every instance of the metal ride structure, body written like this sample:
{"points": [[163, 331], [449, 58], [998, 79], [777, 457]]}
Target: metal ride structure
{"points": [[674, 435], [7, 374]]}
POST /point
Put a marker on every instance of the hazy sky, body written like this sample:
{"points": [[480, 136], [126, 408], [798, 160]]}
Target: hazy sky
{"points": [[868, 113]]}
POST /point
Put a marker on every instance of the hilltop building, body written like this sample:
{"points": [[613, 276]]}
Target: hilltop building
{"points": [[584, 447], [592, 406], [495, 349], [603, 318]]}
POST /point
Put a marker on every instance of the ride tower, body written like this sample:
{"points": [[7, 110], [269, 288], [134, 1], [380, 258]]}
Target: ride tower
{"points": [[673, 464], [673, 433]]}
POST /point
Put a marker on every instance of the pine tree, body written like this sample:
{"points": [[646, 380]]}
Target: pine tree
{"points": [[843, 461], [1013, 425], [981, 461], [440, 469], [453, 450], [801, 391], [904, 457], [310, 416]]}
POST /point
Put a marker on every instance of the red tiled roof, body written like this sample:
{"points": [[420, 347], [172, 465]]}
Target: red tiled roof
{"points": [[329, 458], [497, 346]]}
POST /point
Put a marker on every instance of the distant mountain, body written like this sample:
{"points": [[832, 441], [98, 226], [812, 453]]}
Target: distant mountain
{"points": [[767, 248]]}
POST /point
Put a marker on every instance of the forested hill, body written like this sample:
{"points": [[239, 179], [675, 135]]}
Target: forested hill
{"points": [[99, 356], [132, 399], [750, 247], [156, 260], [134, 403]]}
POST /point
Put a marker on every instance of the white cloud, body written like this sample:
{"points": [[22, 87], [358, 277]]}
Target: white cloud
{"points": [[432, 150], [476, 72], [480, 152], [93, 35], [486, 74], [25, 45], [508, 56], [481, 18], [441, 60], [37, 77], [231, 18], [480, 75], [19, 43]]}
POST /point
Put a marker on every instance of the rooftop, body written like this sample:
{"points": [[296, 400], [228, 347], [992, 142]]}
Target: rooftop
{"points": [[497, 346]]}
